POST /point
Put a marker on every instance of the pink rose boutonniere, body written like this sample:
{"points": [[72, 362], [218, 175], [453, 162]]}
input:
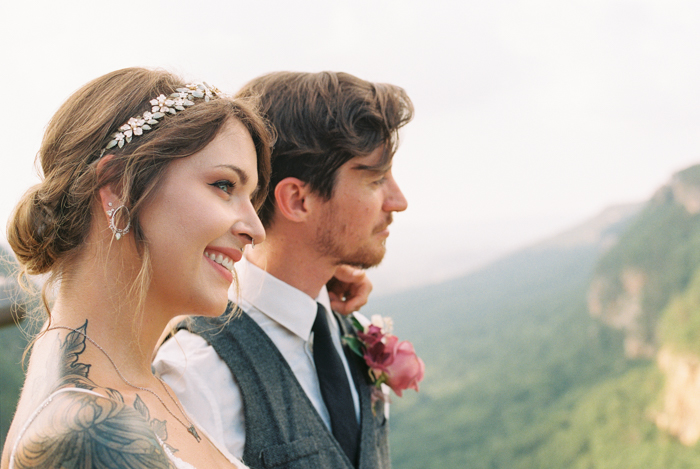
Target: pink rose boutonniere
{"points": [[390, 361]]}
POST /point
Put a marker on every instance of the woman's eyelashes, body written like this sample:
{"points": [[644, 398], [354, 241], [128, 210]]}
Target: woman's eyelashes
{"points": [[225, 185]]}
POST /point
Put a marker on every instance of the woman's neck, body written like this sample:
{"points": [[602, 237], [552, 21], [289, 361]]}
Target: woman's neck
{"points": [[127, 330]]}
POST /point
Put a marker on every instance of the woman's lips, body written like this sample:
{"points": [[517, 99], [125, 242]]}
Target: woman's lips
{"points": [[223, 260]]}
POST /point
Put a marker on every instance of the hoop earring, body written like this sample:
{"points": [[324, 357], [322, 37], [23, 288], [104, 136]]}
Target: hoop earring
{"points": [[112, 213]]}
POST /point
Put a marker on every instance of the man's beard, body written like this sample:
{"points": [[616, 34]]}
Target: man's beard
{"points": [[329, 243]]}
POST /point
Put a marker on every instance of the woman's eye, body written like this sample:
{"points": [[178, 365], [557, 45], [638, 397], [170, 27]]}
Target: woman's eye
{"points": [[224, 185]]}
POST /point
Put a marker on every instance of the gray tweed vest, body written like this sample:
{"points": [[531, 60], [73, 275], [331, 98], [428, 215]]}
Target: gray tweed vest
{"points": [[283, 429]]}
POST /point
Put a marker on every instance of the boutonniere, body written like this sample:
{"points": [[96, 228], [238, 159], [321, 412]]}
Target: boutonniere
{"points": [[390, 361]]}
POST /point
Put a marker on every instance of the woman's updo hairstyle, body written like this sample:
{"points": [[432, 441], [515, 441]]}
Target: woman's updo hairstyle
{"points": [[53, 219]]}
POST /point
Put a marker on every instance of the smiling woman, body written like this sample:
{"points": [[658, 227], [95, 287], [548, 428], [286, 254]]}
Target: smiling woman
{"points": [[149, 196], [207, 196]]}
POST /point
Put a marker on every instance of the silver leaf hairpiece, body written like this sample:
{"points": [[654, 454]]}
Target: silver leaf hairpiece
{"points": [[160, 106]]}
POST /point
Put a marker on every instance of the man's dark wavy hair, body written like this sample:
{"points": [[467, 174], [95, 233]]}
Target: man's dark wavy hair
{"points": [[322, 121]]}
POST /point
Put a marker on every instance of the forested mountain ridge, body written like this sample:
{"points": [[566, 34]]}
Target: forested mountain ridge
{"points": [[654, 261], [582, 351], [649, 287], [508, 350]]}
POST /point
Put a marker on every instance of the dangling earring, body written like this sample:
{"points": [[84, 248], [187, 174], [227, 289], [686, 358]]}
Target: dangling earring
{"points": [[252, 244], [112, 213]]}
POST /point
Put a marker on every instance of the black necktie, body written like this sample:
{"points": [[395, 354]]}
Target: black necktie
{"points": [[335, 388]]}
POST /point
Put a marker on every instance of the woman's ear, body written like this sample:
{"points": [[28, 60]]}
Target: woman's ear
{"points": [[290, 199], [109, 199]]}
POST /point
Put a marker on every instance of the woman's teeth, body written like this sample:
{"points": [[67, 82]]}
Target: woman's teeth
{"points": [[220, 259]]}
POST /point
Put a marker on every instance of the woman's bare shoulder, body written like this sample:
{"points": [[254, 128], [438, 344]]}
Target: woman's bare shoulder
{"points": [[77, 429]]}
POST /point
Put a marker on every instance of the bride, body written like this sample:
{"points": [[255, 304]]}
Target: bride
{"points": [[149, 197]]}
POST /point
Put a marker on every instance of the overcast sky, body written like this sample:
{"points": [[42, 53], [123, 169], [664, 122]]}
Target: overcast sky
{"points": [[530, 115]]}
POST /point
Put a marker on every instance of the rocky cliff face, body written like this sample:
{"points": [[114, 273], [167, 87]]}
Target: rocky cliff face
{"points": [[680, 414], [686, 192], [631, 285], [638, 279], [618, 303]]}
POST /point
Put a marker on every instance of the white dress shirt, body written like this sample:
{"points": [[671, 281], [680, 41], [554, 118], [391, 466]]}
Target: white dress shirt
{"points": [[202, 380]]}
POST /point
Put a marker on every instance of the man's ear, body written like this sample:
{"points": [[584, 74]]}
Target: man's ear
{"points": [[291, 199]]}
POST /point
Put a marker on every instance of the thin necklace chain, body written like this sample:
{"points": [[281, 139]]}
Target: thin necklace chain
{"points": [[190, 428]]}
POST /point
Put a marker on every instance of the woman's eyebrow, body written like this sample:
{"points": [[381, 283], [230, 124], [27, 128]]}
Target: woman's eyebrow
{"points": [[242, 175]]}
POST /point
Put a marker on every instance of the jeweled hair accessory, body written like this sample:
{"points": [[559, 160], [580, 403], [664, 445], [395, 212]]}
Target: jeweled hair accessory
{"points": [[161, 106]]}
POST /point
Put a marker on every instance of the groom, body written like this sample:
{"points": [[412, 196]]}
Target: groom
{"points": [[275, 384]]}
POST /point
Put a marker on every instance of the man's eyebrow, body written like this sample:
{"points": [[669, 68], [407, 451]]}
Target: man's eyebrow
{"points": [[242, 175], [376, 168]]}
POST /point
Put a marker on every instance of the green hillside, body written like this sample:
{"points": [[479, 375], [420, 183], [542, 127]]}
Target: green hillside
{"points": [[664, 244], [11, 375], [519, 375], [507, 351], [680, 322]]}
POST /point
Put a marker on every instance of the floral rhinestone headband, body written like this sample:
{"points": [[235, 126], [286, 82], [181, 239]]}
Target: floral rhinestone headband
{"points": [[161, 106]]}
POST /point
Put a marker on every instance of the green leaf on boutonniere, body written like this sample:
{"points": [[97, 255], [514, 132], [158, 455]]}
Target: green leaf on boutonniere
{"points": [[354, 344], [356, 324]]}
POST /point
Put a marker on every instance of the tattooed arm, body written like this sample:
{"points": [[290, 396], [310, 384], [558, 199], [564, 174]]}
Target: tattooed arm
{"points": [[80, 430]]}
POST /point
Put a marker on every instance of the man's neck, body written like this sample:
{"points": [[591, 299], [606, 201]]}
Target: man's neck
{"points": [[293, 263]]}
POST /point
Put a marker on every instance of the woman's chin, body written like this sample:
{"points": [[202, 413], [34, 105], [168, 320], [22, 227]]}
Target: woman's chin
{"points": [[214, 309]]}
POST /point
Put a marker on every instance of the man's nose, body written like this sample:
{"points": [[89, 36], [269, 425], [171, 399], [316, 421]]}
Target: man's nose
{"points": [[395, 200]]}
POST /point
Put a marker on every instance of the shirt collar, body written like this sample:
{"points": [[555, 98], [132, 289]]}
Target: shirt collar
{"points": [[291, 308]]}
